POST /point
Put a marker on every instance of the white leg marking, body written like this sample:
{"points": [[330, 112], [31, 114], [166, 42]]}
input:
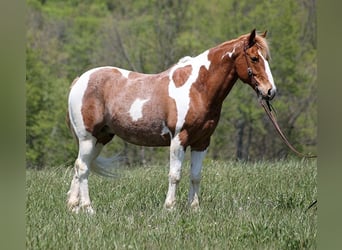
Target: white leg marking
{"points": [[176, 159], [79, 193], [181, 95], [268, 72], [74, 191], [195, 177], [136, 109]]}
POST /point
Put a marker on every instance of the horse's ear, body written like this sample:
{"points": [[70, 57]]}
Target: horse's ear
{"points": [[264, 34], [251, 39]]}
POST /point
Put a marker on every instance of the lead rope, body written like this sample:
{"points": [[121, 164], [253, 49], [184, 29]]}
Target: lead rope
{"points": [[269, 112]]}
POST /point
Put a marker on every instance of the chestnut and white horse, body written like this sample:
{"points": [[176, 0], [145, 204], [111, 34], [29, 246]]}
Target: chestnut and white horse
{"points": [[179, 107]]}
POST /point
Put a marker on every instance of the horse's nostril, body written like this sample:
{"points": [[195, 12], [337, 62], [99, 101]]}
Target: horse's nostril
{"points": [[271, 93]]}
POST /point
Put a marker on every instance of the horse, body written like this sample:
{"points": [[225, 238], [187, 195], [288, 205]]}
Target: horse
{"points": [[179, 107]]}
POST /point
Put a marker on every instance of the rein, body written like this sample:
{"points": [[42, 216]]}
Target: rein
{"points": [[269, 112]]}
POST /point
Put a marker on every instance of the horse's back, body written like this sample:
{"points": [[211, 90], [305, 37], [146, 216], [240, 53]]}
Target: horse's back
{"points": [[110, 100]]}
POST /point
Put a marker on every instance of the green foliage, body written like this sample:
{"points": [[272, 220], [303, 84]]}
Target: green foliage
{"points": [[65, 38], [243, 206]]}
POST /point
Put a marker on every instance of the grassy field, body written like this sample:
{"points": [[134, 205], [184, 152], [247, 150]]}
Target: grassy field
{"points": [[243, 206]]}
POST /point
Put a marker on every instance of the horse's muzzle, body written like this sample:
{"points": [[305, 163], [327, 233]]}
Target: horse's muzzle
{"points": [[269, 95]]}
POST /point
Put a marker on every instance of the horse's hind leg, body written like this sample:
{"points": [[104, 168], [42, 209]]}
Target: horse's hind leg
{"points": [[73, 193], [78, 195]]}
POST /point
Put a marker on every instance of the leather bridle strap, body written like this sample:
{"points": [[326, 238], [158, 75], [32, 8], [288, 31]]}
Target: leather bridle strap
{"points": [[249, 69], [269, 112]]}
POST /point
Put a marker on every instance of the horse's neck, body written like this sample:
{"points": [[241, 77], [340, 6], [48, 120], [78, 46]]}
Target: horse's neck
{"points": [[221, 79], [217, 95]]}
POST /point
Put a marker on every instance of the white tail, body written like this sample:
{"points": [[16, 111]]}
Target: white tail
{"points": [[106, 166]]}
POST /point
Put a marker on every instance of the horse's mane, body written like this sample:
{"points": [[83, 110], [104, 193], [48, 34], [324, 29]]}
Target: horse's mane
{"points": [[262, 44]]}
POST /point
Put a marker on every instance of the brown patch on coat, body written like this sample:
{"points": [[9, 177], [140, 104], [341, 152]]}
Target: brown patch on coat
{"points": [[93, 109], [108, 98], [181, 75]]}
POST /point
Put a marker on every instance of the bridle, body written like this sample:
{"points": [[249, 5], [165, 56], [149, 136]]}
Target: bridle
{"points": [[268, 108], [249, 69]]}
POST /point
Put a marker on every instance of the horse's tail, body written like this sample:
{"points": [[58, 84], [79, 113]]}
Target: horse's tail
{"points": [[101, 165], [67, 118], [106, 166]]}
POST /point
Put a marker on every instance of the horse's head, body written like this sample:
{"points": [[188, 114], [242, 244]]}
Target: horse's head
{"points": [[252, 65]]}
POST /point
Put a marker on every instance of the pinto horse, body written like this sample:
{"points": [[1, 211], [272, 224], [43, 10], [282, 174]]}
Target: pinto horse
{"points": [[179, 107]]}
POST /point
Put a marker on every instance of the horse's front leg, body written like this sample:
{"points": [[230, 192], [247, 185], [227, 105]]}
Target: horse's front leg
{"points": [[195, 177], [176, 158]]}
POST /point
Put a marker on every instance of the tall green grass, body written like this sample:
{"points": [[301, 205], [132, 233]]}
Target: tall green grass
{"points": [[243, 206]]}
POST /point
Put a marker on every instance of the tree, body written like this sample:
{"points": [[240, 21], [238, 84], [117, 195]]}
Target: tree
{"points": [[64, 39]]}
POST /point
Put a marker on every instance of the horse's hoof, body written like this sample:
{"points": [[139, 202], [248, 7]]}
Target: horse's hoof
{"points": [[88, 210], [194, 206], [74, 209], [170, 206]]}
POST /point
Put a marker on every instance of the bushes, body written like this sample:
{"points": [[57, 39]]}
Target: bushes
{"points": [[64, 39]]}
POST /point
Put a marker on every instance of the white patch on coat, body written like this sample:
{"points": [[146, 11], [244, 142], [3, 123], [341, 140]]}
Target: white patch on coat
{"points": [[268, 72], [230, 54], [181, 94], [166, 130], [136, 109], [75, 102], [185, 59], [124, 72]]}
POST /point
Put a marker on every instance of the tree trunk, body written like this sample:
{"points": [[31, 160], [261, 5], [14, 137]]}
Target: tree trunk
{"points": [[239, 140]]}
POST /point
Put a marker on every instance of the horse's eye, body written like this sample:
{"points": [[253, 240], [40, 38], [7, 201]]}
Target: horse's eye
{"points": [[254, 59]]}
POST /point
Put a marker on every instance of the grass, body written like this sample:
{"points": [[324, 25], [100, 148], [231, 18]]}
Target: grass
{"points": [[243, 206]]}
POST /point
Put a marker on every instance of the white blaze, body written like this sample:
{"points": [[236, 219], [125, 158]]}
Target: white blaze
{"points": [[181, 94], [136, 109], [268, 72]]}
